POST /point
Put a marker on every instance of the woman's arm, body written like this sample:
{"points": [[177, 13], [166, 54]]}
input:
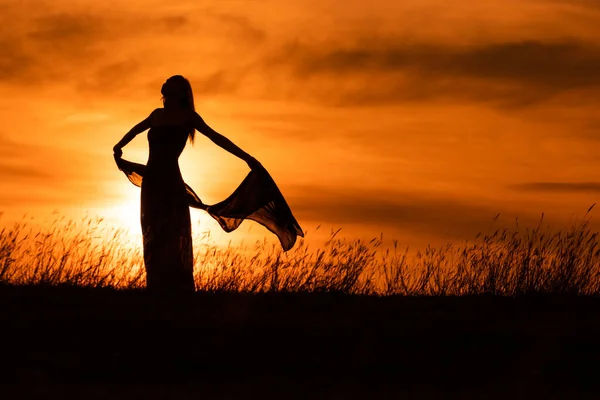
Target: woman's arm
{"points": [[136, 130], [223, 142]]}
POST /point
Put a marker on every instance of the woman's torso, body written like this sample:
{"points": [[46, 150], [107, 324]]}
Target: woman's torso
{"points": [[167, 136]]}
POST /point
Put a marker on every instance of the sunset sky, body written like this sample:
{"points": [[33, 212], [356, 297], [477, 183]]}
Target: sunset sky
{"points": [[418, 119]]}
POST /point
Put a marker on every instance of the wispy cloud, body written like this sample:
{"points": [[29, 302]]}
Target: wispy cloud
{"points": [[418, 213], [8, 147], [10, 172], [390, 70], [558, 187], [78, 48], [15, 167], [107, 53]]}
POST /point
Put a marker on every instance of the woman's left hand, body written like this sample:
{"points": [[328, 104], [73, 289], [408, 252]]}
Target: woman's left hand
{"points": [[118, 152], [253, 163]]}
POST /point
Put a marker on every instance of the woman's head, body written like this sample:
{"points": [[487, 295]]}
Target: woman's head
{"points": [[177, 93]]}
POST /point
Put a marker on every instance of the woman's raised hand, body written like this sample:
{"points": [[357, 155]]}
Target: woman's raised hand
{"points": [[253, 163], [118, 152]]}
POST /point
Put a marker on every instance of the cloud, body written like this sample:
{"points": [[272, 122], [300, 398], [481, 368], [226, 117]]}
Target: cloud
{"points": [[406, 211], [109, 78], [9, 172], [242, 27], [8, 147], [389, 70], [558, 187], [173, 23], [29, 163], [14, 61], [84, 49], [50, 48], [218, 82], [92, 50], [64, 28], [13, 168]]}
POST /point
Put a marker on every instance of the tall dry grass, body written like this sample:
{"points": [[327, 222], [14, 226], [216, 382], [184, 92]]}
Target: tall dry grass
{"points": [[505, 262]]}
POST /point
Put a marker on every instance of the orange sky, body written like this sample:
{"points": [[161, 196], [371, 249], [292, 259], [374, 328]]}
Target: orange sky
{"points": [[418, 119]]}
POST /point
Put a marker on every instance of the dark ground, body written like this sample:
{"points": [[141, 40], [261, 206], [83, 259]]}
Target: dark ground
{"points": [[100, 343]]}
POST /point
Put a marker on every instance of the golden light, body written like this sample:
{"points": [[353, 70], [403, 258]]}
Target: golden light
{"points": [[125, 215]]}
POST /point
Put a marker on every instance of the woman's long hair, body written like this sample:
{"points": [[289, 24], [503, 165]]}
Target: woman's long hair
{"points": [[183, 97]]}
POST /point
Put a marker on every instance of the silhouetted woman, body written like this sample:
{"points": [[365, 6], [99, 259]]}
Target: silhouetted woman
{"points": [[165, 198]]}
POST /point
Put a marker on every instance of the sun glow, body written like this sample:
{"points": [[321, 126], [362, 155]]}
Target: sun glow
{"points": [[125, 215]]}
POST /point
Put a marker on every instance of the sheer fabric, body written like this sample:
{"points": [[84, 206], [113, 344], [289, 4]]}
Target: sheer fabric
{"points": [[165, 202]]}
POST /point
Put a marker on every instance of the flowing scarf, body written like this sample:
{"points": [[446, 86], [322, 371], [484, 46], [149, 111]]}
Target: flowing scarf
{"points": [[257, 198]]}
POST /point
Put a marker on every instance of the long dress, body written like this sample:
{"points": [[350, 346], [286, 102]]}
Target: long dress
{"points": [[165, 214]]}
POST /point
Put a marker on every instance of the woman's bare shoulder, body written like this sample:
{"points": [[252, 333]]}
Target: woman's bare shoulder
{"points": [[156, 112], [192, 114]]}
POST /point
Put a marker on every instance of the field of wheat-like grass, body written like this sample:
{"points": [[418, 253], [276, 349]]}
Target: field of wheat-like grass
{"points": [[506, 262]]}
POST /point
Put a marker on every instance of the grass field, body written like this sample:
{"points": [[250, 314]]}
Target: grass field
{"points": [[522, 261], [512, 315]]}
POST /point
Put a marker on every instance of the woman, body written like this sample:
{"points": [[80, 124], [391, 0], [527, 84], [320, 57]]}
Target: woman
{"points": [[165, 198]]}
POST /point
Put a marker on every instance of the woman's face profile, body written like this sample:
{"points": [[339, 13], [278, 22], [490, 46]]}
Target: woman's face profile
{"points": [[167, 88], [172, 87]]}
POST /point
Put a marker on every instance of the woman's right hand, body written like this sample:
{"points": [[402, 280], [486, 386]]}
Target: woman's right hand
{"points": [[118, 152]]}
